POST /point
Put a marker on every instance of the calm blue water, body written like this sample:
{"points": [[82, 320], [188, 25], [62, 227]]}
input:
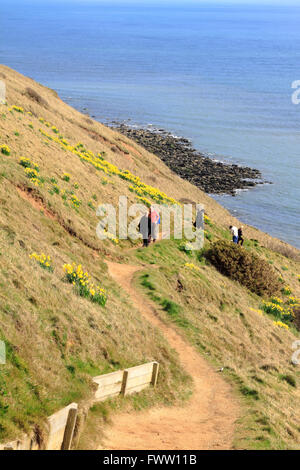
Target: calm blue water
{"points": [[220, 76]]}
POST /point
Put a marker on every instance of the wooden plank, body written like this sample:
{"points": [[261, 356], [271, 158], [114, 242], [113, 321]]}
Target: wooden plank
{"points": [[133, 379], [69, 430], [143, 379], [140, 370], [136, 389], [108, 389], [113, 387], [113, 377], [57, 424]]}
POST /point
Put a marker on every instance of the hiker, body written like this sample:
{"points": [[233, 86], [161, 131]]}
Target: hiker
{"points": [[199, 221], [240, 236], [155, 221], [235, 234], [145, 228]]}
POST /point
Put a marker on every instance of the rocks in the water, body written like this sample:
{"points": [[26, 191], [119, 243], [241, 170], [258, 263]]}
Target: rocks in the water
{"points": [[209, 175]]}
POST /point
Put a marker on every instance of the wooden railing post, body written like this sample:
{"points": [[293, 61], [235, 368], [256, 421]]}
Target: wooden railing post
{"points": [[154, 374], [69, 429], [124, 382]]}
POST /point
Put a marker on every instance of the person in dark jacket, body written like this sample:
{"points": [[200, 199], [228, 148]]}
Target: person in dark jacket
{"points": [[145, 228], [240, 236]]}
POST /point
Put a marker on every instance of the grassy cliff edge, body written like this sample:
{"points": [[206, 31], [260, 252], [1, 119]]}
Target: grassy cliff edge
{"points": [[56, 167]]}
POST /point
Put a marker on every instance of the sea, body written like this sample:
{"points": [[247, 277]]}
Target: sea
{"points": [[219, 74]]}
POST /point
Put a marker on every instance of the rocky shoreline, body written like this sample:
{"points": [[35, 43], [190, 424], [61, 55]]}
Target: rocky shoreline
{"points": [[211, 176]]}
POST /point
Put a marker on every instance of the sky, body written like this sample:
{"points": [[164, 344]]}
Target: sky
{"points": [[183, 2], [245, 2]]}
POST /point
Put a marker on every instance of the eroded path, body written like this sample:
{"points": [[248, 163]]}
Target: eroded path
{"points": [[207, 421]]}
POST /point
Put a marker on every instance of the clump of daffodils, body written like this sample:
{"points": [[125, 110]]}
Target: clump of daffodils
{"points": [[192, 266], [55, 130], [64, 194], [141, 189], [19, 109], [259, 312], [27, 163], [207, 220], [281, 311], [66, 177], [293, 301], [84, 286], [5, 149], [276, 300], [43, 260], [31, 170], [145, 201], [34, 177], [109, 236], [55, 188], [32, 173], [286, 290], [79, 146], [281, 324], [273, 308], [75, 201]]}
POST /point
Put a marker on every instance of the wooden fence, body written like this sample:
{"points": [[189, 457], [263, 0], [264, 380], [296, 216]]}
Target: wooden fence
{"points": [[61, 425], [126, 381]]}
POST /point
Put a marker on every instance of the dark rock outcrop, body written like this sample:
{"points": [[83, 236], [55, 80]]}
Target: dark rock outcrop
{"points": [[210, 175]]}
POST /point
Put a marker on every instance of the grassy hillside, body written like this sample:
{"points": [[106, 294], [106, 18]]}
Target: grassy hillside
{"points": [[56, 166], [227, 324]]}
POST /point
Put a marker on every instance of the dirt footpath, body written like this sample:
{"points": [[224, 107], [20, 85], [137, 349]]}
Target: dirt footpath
{"points": [[207, 421]]}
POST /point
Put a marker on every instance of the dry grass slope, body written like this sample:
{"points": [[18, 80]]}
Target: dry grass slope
{"points": [[57, 340]]}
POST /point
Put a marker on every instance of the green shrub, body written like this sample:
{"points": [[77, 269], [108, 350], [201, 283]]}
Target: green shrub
{"points": [[146, 283], [171, 307], [245, 267], [249, 392]]}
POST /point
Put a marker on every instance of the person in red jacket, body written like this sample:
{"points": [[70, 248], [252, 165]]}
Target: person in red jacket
{"points": [[155, 221]]}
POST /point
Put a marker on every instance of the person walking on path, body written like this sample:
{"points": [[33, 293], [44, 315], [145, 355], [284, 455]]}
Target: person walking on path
{"points": [[235, 234], [145, 226], [240, 236], [199, 221], [155, 221]]}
